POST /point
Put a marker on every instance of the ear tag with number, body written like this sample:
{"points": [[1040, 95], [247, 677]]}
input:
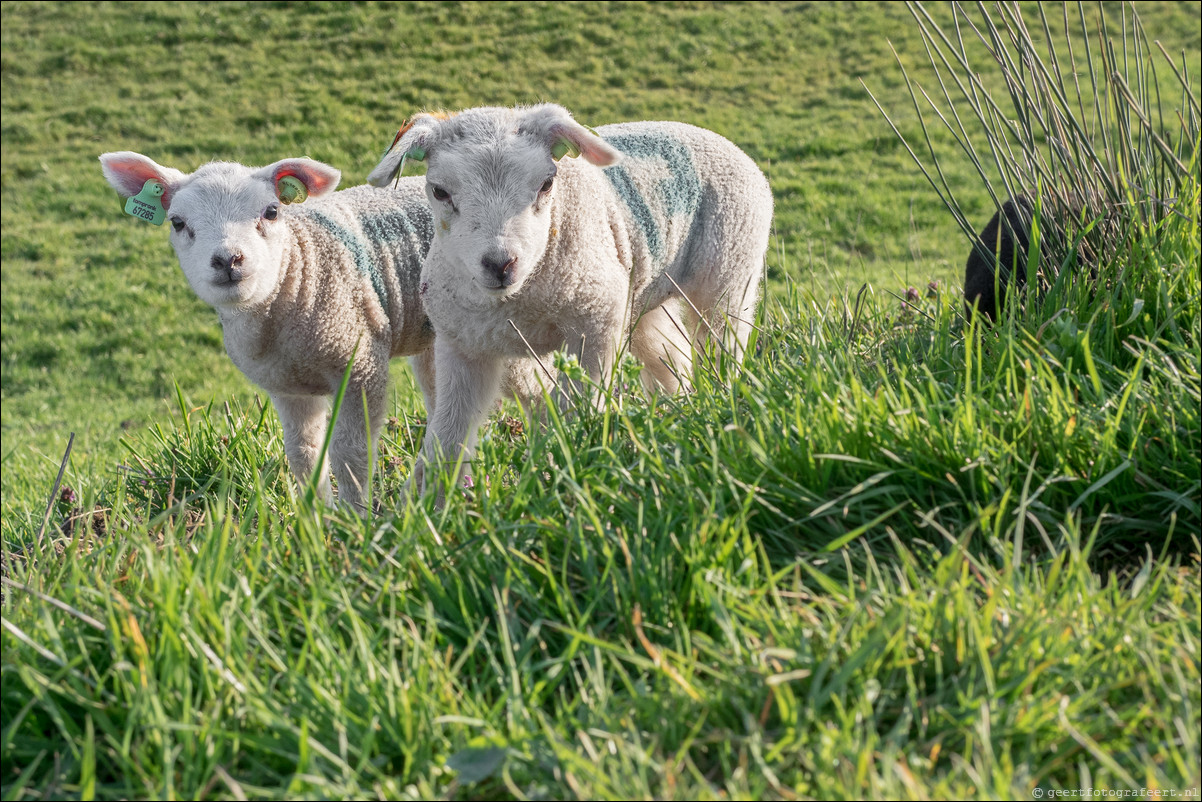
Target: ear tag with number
{"points": [[148, 204], [564, 147], [291, 189]]}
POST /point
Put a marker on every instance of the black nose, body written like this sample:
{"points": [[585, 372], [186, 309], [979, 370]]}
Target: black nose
{"points": [[226, 261], [227, 267], [499, 267]]}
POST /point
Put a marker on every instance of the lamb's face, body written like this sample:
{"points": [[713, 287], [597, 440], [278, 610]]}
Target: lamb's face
{"points": [[225, 219], [492, 209], [491, 183], [226, 228]]}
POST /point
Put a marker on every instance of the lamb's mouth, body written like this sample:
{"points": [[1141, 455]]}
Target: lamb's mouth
{"points": [[497, 286], [229, 278]]}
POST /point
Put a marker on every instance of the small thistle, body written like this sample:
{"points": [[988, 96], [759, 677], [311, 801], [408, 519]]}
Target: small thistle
{"points": [[908, 304], [513, 426]]}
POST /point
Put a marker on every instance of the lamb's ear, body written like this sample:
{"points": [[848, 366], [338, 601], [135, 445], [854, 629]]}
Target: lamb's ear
{"points": [[297, 179], [575, 139], [412, 141], [566, 137], [127, 172]]}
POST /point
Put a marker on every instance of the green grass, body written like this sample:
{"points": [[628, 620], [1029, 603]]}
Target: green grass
{"points": [[886, 558], [853, 573], [98, 322]]}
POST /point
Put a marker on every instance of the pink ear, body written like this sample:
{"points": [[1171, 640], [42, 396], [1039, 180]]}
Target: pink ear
{"points": [[318, 178], [592, 147], [127, 172], [551, 122]]}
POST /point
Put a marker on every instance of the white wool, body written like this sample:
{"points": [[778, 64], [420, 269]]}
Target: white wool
{"points": [[302, 288], [653, 237]]}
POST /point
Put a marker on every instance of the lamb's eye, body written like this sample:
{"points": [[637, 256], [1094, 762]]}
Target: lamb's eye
{"points": [[547, 185], [440, 194], [271, 212], [177, 223]]}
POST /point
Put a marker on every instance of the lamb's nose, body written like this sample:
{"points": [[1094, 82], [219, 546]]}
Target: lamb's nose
{"points": [[226, 261], [499, 267], [227, 267]]}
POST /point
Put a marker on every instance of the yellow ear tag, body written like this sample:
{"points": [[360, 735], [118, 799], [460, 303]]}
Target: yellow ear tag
{"points": [[564, 147], [148, 204], [291, 189]]}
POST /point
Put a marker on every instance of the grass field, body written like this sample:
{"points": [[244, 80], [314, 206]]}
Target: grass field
{"points": [[98, 323], [888, 558]]}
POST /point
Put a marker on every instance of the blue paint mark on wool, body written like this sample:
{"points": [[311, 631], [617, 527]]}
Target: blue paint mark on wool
{"points": [[679, 193], [394, 227], [380, 231], [624, 186]]}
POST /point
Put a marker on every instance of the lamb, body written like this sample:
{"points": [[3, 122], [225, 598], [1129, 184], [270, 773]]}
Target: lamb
{"points": [[535, 252], [300, 287]]}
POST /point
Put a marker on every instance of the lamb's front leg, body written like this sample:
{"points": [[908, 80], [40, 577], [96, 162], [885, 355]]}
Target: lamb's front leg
{"points": [[304, 420], [597, 350], [353, 446], [467, 388]]}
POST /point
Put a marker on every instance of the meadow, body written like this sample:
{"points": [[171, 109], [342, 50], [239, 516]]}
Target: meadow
{"points": [[889, 556]]}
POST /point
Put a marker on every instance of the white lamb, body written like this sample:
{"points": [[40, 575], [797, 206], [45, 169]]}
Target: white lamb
{"points": [[536, 252], [299, 287]]}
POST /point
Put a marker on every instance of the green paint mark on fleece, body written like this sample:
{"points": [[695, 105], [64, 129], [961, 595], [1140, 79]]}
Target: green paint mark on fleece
{"points": [[678, 194], [379, 232]]}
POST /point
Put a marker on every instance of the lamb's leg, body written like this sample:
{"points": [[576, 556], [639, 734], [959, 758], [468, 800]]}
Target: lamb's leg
{"points": [[733, 315], [525, 380], [661, 342], [304, 419], [597, 350], [742, 317], [423, 371], [724, 314], [353, 446], [467, 389], [427, 382]]}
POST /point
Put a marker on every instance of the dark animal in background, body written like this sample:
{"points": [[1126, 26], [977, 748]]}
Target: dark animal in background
{"points": [[1076, 233], [1002, 248]]}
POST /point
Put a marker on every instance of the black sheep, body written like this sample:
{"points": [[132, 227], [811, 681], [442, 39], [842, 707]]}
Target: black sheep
{"points": [[1000, 245]]}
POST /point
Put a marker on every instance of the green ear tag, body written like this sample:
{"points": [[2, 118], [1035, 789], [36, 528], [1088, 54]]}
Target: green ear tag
{"points": [[417, 154], [564, 147], [291, 189], [148, 204]]}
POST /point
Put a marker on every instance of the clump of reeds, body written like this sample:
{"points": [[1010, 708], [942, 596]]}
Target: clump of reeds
{"points": [[1068, 115]]}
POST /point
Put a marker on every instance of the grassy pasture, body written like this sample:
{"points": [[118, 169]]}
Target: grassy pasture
{"points": [[97, 321], [885, 559]]}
